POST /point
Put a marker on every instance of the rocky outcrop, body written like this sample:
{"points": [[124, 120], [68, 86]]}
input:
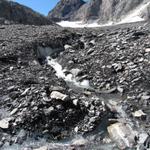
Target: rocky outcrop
{"points": [[12, 12], [65, 10], [104, 11], [111, 10]]}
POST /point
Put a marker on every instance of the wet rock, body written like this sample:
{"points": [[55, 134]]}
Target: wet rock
{"points": [[122, 134], [58, 96]]}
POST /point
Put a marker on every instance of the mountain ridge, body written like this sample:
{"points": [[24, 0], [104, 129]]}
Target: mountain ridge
{"points": [[104, 11], [13, 12], [65, 10]]}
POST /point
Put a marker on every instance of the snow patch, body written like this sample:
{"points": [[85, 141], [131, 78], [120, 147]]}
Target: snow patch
{"points": [[80, 24]]}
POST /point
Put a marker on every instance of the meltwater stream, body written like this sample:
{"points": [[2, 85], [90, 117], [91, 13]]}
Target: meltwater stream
{"points": [[70, 78], [110, 101]]}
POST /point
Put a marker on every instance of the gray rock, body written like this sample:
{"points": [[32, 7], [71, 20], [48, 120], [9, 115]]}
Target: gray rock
{"points": [[65, 9], [13, 12], [4, 123], [58, 96]]}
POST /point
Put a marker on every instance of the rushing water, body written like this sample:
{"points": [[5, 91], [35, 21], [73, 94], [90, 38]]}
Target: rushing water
{"points": [[69, 78]]}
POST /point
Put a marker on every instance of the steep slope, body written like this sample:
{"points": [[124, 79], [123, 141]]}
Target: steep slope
{"points": [[65, 10], [103, 11], [111, 10], [14, 12]]}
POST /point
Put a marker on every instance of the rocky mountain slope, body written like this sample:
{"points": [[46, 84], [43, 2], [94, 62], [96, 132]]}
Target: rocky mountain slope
{"points": [[12, 12], [36, 102], [65, 10], [104, 11]]}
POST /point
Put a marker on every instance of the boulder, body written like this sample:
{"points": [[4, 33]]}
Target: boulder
{"points": [[122, 134], [58, 96]]}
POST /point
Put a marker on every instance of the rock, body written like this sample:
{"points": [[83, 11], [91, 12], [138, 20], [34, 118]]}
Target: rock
{"points": [[145, 97], [76, 129], [58, 96], [79, 142], [122, 134], [138, 33], [90, 51], [25, 92], [92, 43], [75, 102], [147, 50], [138, 114], [75, 71], [120, 89], [42, 148], [11, 68], [11, 88], [13, 111], [48, 110], [67, 47], [117, 67], [100, 11], [4, 123]]}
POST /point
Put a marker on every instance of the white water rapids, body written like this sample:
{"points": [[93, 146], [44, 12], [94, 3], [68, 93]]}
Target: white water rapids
{"points": [[69, 78]]}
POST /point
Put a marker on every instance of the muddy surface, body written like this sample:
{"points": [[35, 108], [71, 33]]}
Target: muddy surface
{"points": [[40, 108]]}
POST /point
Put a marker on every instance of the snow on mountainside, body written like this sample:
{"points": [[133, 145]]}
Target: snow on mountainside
{"points": [[137, 14], [107, 12]]}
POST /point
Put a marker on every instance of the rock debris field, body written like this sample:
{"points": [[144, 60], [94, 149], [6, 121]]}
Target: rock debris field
{"points": [[35, 103]]}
